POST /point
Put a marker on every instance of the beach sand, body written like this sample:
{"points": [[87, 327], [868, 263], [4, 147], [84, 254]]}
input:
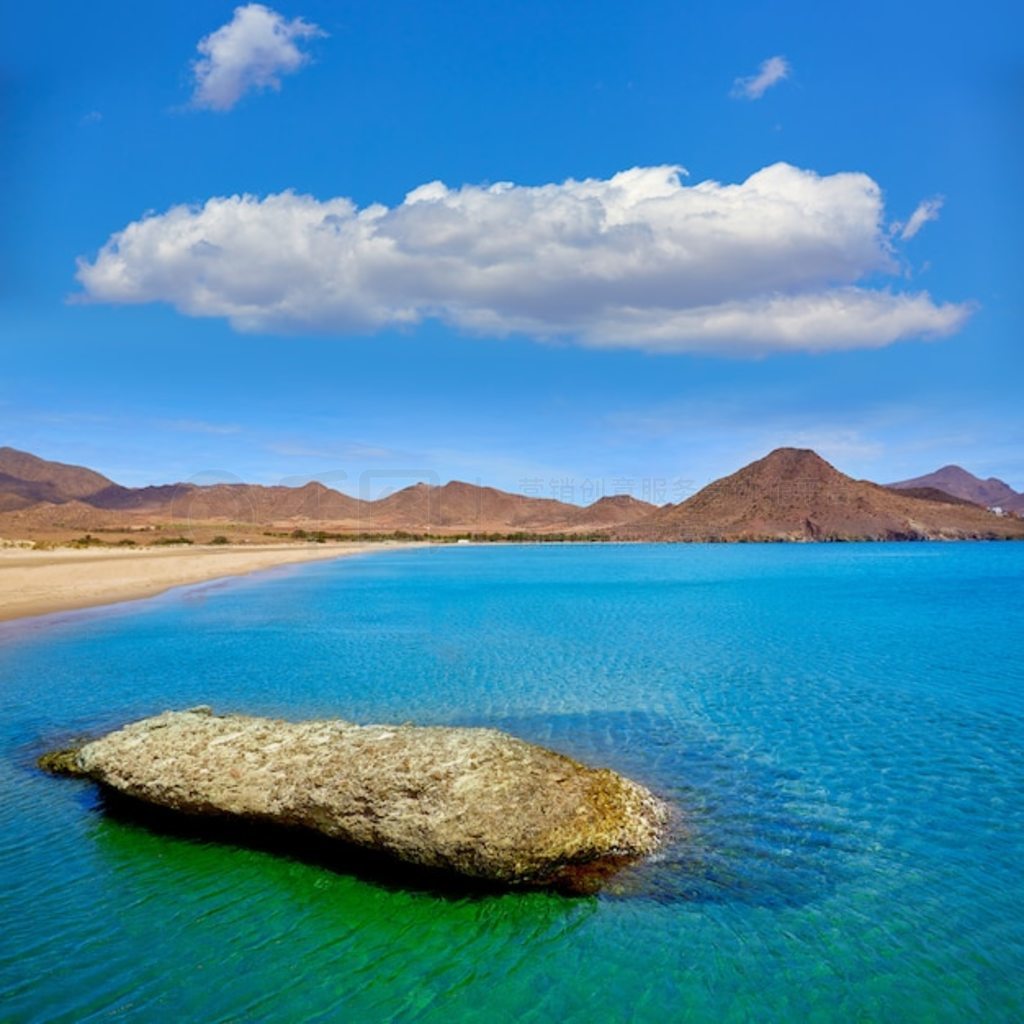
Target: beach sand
{"points": [[40, 582]]}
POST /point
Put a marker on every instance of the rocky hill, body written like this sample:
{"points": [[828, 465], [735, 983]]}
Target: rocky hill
{"points": [[28, 480], [794, 494], [458, 505]]}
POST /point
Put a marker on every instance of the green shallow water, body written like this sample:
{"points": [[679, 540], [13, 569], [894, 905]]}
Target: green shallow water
{"points": [[842, 727]]}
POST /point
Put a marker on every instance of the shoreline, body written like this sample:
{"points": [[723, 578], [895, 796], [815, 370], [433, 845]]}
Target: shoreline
{"points": [[37, 583]]}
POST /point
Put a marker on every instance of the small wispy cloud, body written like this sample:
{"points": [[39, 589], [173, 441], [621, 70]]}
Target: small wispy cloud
{"points": [[771, 72], [69, 418], [93, 117], [927, 209], [252, 51], [342, 450], [201, 427], [837, 444]]}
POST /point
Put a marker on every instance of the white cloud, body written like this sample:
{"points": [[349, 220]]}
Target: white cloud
{"points": [[639, 260], [771, 72], [927, 209], [251, 51]]}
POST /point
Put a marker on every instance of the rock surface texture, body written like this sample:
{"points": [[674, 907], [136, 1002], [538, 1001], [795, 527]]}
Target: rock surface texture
{"points": [[476, 802]]}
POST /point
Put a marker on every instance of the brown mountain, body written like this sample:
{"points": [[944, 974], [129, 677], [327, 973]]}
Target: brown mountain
{"points": [[137, 499], [15, 493], [53, 520], [54, 497], [957, 481], [256, 504], [27, 480], [794, 494], [610, 511], [931, 494], [461, 506]]}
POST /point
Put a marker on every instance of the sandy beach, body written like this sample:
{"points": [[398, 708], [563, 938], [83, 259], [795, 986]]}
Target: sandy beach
{"points": [[40, 582]]}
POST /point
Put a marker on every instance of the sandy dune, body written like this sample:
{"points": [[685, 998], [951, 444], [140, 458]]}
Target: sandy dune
{"points": [[38, 582]]}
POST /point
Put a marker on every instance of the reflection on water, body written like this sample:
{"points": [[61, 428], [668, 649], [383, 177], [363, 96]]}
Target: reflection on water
{"points": [[123, 819]]}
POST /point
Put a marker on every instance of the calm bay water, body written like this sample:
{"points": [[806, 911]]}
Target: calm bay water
{"points": [[841, 725]]}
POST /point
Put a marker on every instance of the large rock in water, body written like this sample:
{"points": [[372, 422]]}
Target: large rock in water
{"points": [[477, 802]]}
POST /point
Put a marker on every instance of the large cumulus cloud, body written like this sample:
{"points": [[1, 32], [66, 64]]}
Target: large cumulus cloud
{"points": [[783, 260]]}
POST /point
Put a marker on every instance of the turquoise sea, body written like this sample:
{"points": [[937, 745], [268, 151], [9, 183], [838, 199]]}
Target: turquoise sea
{"points": [[842, 727]]}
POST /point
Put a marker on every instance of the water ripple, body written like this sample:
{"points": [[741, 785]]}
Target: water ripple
{"points": [[840, 728]]}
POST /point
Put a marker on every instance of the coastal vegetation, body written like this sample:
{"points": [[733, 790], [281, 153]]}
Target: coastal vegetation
{"points": [[494, 537]]}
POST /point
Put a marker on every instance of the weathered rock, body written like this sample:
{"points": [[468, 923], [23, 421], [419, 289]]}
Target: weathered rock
{"points": [[477, 802]]}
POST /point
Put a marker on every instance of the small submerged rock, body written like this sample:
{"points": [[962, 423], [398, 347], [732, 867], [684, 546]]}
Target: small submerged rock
{"points": [[61, 762], [475, 802]]}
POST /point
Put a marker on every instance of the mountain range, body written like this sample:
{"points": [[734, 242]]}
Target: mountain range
{"points": [[37, 495], [790, 494]]}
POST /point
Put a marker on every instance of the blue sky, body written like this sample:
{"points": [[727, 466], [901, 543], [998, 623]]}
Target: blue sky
{"points": [[484, 350]]}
